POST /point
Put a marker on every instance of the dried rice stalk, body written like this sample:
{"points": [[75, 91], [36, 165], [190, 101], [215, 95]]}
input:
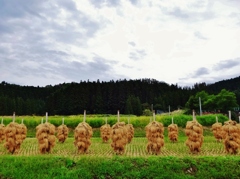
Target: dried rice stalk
{"points": [[46, 137], [231, 136], [173, 132], [2, 135], [194, 132], [82, 135], [217, 130], [154, 134], [62, 132], [105, 131], [130, 132], [15, 134], [119, 137]]}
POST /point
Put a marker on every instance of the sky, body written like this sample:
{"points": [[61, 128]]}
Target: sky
{"points": [[61, 41]]}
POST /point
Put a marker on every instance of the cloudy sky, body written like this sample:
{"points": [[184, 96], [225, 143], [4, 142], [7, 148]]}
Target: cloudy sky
{"points": [[179, 42]]}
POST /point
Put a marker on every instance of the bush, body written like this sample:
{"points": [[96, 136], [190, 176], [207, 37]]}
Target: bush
{"points": [[147, 112], [205, 120]]}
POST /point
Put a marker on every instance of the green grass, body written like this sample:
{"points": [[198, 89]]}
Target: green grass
{"points": [[97, 121], [19, 167]]}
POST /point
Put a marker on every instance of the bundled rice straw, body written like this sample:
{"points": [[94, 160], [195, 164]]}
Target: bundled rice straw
{"points": [[62, 132], [231, 136], [194, 132], [173, 132], [119, 137], [130, 132], [154, 134], [2, 135], [46, 136], [217, 130], [82, 135], [105, 131], [15, 134]]}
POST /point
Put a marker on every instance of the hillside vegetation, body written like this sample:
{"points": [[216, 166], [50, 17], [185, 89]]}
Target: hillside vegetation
{"points": [[128, 96]]}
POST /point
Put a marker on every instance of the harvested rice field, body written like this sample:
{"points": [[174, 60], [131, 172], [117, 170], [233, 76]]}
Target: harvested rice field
{"points": [[137, 148]]}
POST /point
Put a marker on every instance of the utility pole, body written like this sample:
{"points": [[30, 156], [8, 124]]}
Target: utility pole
{"points": [[169, 110], [200, 106]]}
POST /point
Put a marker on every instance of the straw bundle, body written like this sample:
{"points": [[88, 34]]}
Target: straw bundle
{"points": [[173, 132], [231, 136], [46, 137], [82, 135], [217, 131], [154, 134], [10, 132], [130, 132], [2, 135], [105, 131], [119, 137], [15, 134], [62, 133], [21, 133], [194, 132]]}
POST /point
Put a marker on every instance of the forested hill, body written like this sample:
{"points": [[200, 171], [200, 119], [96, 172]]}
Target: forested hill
{"points": [[232, 84], [128, 96]]}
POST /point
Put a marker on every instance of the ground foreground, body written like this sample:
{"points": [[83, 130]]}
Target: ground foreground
{"points": [[119, 167], [174, 161]]}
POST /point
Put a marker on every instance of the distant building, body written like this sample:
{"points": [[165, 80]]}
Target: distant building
{"points": [[159, 111]]}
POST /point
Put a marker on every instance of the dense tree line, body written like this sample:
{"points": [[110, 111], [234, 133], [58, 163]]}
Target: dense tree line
{"points": [[128, 96]]}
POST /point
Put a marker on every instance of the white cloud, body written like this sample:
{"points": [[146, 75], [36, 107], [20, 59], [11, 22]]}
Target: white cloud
{"points": [[171, 41]]}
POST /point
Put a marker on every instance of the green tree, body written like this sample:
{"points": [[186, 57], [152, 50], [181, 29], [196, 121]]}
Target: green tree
{"points": [[226, 100], [223, 101], [193, 101], [128, 108], [133, 106], [210, 103]]}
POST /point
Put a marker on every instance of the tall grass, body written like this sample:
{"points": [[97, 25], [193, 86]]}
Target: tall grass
{"points": [[97, 121]]}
